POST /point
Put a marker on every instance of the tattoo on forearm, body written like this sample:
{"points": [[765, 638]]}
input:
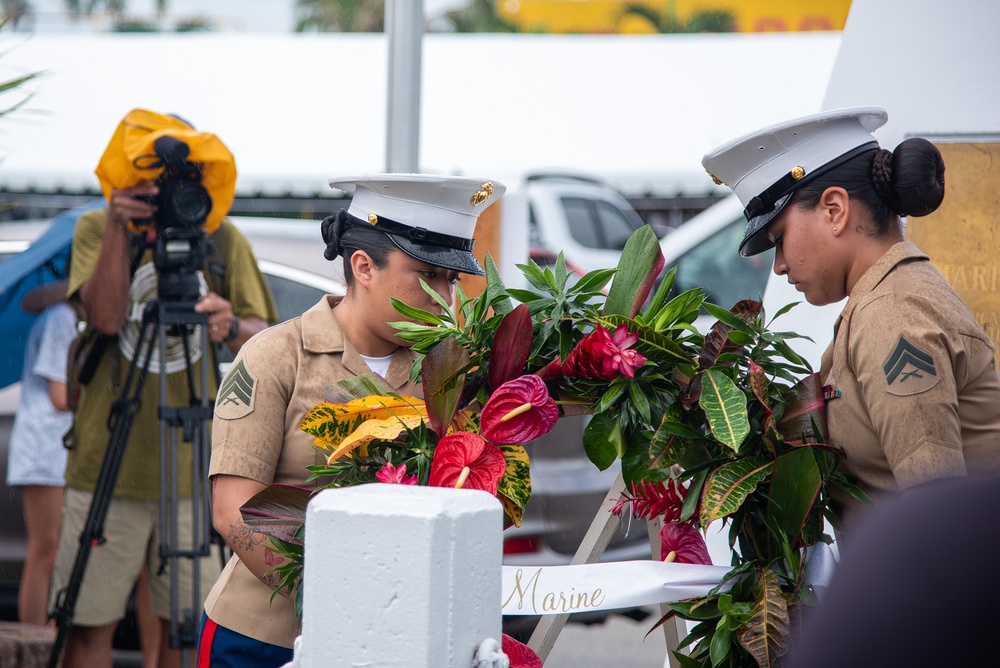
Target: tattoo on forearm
{"points": [[243, 537], [271, 579], [272, 558]]}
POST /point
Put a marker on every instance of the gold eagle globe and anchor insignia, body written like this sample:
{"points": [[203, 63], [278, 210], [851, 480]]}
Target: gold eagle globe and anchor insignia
{"points": [[482, 195]]}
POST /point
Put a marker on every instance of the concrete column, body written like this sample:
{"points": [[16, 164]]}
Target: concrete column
{"points": [[400, 576]]}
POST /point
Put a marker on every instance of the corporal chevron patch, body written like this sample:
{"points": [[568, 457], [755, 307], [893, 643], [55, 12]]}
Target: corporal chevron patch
{"points": [[909, 370], [235, 398]]}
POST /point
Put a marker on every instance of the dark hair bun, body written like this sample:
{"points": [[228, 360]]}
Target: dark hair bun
{"points": [[917, 177], [332, 229]]}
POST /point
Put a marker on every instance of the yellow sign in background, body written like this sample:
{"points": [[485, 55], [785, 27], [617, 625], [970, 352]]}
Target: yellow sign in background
{"points": [[963, 236], [650, 16]]}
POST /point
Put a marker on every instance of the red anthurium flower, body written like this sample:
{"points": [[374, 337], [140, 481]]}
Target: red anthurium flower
{"points": [[518, 411], [464, 459], [682, 543], [603, 356], [520, 655], [395, 476]]}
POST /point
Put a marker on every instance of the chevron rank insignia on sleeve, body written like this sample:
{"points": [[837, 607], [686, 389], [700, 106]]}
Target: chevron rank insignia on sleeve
{"points": [[909, 370], [235, 398]]}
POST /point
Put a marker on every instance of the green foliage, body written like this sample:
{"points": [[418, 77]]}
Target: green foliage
{"points": [[12, 84], [478, 16], [290, 572], [666, 19], [641, 261], [339, 15]]}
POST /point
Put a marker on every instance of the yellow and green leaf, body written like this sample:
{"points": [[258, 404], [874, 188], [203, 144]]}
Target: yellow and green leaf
{"points": [[383, 429], [670, 440], [332, 423], [725, 406], [514, 489], [465, 420], [766, 634], [729, 485]]}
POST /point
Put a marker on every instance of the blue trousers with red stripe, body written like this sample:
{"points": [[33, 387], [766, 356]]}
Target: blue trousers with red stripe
{"points": [[219, 647]]}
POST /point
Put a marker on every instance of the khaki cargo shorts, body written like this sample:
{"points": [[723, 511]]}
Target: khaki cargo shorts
{"points": [[132, 536]]}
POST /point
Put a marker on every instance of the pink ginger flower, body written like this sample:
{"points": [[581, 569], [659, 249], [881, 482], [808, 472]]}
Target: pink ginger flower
{"points": [[604, 356], [391, 475]]}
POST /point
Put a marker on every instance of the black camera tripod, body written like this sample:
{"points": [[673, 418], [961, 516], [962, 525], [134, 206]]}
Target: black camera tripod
{"points": [[159, 318]]}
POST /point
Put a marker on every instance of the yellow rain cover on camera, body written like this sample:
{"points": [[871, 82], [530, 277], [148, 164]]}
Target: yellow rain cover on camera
{"points": [[132, 145]]}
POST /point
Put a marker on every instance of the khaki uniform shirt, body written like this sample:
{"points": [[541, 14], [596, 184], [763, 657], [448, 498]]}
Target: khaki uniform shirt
{"points": [[919, 390], [278, 377]]}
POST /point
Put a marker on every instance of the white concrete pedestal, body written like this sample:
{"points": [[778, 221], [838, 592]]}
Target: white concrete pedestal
{"points": [[400, 575]]}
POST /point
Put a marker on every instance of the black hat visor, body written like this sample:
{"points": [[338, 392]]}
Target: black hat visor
{"points": [[756, 239], [440, 250], [440, 256], [765, 207]]}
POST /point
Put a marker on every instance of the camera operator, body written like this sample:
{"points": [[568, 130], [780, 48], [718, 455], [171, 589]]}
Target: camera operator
{"points": [[105, 279]]}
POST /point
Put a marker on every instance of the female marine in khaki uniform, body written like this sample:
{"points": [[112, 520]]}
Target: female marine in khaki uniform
{"points": [[399, 229], [913, 375]]}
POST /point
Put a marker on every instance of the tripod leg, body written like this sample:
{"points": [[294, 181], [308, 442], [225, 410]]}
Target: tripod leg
{"points": [[193, 422]]}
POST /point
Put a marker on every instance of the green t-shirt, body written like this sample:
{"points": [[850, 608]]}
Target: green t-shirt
{"points": [[243, 285]]}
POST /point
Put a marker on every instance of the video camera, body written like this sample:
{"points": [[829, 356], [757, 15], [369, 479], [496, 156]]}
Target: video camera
{"points": [[183, 205]]}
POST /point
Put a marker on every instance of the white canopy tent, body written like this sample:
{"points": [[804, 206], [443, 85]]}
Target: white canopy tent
{"points": [[637, 111]]}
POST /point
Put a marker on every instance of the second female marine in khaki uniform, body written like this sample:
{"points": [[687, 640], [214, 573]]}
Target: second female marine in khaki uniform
{"points": [[912, 386]]}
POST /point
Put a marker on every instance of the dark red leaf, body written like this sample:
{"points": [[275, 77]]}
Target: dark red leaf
{"points": [[646, 286], [278, 510], [440, 367], [511, 346], [758, 383], [804, 405]]}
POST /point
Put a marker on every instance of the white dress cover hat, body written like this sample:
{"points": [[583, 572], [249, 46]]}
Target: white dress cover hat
{"points": [[764, 168], [428, 217]]}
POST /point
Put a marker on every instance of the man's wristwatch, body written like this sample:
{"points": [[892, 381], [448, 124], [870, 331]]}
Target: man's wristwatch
{"points": [[234, 329]]}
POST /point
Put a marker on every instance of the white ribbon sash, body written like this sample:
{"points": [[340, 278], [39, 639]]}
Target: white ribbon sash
{"points": [[554, 590]]}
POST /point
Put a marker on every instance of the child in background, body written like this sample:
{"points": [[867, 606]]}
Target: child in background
{"points": [[36, 456]]}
